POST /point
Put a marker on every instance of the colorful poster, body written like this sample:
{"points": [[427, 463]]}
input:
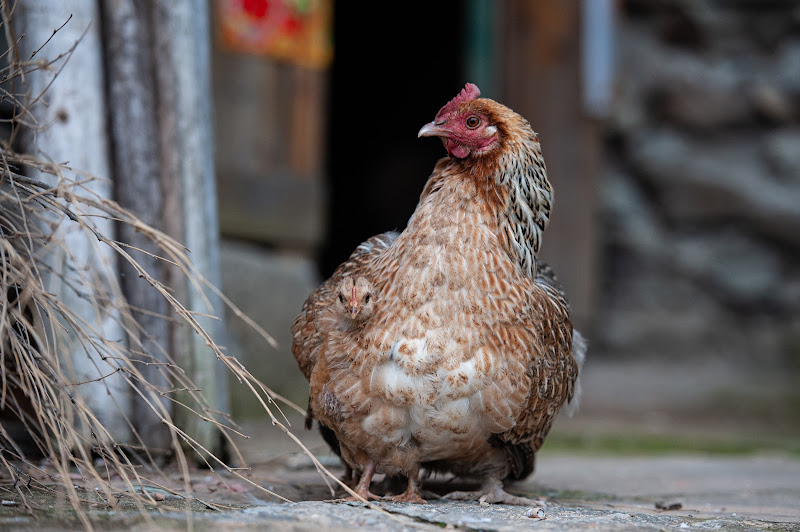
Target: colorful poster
{"points": [[299, 31]]}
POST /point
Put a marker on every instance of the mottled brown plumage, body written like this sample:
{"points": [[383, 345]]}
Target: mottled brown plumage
{"points": [[468, 354]]}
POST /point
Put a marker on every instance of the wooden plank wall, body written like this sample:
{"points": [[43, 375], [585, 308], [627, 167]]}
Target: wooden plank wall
{"points": [[270, 149]]}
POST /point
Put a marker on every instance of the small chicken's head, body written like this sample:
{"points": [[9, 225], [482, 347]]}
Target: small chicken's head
{"points": [[356, 297], [464, 125]]}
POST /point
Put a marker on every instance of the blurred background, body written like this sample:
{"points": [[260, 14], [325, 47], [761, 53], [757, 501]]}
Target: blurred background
{"points": [[671, 131]]}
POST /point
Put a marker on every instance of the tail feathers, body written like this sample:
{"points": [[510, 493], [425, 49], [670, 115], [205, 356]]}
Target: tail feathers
{"points": [[579, 347]]}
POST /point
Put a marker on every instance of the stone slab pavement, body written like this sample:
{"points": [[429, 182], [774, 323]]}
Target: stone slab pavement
{"points": [[574, 491]]}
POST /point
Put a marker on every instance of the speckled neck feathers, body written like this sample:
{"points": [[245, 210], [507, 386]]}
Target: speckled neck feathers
{"points": [[514, 175], [529, 199]]}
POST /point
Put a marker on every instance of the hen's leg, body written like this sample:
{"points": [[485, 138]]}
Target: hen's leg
{"points": [[492, 492], [363, 485], [412, 491]]}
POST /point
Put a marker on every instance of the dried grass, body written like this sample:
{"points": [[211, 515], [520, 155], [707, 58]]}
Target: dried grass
{"points": [[38, 382]]}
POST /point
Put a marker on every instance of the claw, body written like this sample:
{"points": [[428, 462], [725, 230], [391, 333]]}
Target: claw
{"points": [[492, 492], [368, 495], [412, 491], [413, 497]]}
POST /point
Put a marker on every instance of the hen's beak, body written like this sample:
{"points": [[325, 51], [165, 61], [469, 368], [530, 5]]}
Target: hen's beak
{"points": [[433, 129], [353, 310]]}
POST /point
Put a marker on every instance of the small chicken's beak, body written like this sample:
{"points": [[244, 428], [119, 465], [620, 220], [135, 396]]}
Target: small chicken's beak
{"points": [[433, 130], [354, 307]]}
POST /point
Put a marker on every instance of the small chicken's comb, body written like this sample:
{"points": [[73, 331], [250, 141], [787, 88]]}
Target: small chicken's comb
{"points": [[469, 92]]}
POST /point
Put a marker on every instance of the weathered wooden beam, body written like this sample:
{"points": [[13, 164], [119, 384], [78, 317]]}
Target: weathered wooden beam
{"points": [[135, 155], [181, 38], [68, 125]]}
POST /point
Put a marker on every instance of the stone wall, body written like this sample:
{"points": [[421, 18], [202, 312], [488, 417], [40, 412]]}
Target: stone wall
{"points": [[702, 195]]}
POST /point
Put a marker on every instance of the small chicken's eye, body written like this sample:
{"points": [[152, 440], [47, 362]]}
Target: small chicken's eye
{"points": [[341, 298], [366, 298], [473, 122]]}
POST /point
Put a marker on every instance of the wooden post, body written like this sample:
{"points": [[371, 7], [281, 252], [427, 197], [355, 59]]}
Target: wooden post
{"points": [[181, 40], [72, 120], [135, 155], [540, 72]]}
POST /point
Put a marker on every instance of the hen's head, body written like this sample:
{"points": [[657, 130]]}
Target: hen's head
{"points": [[469, 125], [498, 147], [355, 297]]}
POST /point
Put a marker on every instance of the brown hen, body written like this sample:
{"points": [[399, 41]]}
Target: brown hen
{"points": [[469, 352]]}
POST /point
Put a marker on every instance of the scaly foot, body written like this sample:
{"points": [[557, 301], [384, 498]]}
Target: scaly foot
{"points": [[411, 494], [493, 493]]}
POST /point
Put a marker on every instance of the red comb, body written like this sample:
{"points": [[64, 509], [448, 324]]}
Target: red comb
{"points": [[469, 92]]}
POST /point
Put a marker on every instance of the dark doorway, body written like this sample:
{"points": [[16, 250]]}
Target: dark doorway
{"points": [[391, 74]]}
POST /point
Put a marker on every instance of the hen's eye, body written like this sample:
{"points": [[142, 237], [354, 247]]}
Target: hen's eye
{"points": [[473, 122], [366, 298], [341, 298]]}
